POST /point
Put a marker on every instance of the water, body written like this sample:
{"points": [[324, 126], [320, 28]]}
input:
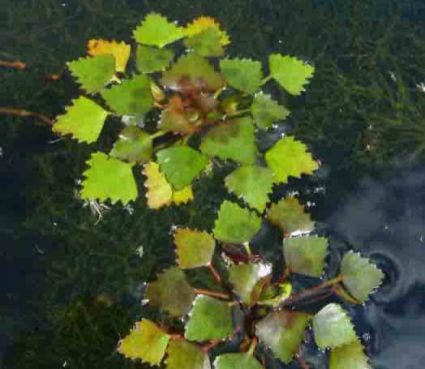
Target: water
{"points": [[70, 287]]}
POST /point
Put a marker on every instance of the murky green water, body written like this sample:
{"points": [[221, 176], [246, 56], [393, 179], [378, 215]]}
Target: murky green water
{"points": [[70, 287]]}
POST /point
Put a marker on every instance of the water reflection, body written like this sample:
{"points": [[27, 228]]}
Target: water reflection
{"points": [[386, 220]]}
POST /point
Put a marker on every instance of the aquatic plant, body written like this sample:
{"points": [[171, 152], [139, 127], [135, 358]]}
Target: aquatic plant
{"points": [[180, 112]]}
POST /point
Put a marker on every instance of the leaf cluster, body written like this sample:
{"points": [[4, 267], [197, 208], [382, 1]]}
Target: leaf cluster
{"points": [[178, 113]]}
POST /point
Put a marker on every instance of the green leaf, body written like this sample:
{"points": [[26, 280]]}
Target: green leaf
{"points": [[133, 145], [194, 248], [275, 294], [93, 73], [289, 157], [151, 59], [181, 164], [245, 277], [332, 327], [83, 120], [289, 215], [306, 255], [131, 96], [194, 70], [237, 361], [251, 183], [235, 224], [233, 139], [243, 74], [171, 292], [206, 43], [209, 319], [283, 332], [360, 276], [350, 356], [146, 342], [108, 178], [266, 111], [186, 355], [156, 30], [291, 73]]}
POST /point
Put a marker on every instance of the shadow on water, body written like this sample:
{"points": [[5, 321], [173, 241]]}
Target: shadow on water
{"points": [[386, 220]]}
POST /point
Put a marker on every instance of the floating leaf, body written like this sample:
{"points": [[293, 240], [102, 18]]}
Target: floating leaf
{"points": [[245, 277], [119, 50], [156, 30], [291, 73], [93, 73], [283, 332], [233, 139], [243, 74], [289, 215], [146, 342], [186, 355], [133, 145], [350, 356], [83, 120], [360, 276], [182, 196], [289, 157], [235, 224], [209, 319], [194, 70], [237, 361], [132, 96], [305, 255], [206, 43], [181, 164], [252, 183], [108, 178], [201, 24], [194, 248], [332, 327], [151, 59], [266, 111], [171, 292], [159, 191]]}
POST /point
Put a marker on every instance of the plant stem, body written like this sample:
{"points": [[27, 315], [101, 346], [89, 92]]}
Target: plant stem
{"points": [[311, 291], [266, 79], [26, 113], [302, 362], [219, 295], [214, 273], [157, 134], [238, 112], [15, 64]]}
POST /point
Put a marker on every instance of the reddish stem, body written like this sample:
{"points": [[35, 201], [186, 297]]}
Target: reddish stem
{"points": [[219, 295], [214, 273], [26, 113], [14, 64], [302, 362], [311, 291]]}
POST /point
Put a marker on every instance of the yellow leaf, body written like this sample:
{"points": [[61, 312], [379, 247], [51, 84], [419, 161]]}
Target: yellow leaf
{"points": [[159, 192], [201, 24], [119, 50], [183, 196], [146, 341]]}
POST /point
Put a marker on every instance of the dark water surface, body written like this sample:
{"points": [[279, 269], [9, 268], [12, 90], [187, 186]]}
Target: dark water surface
{"points": [[70, 287]]}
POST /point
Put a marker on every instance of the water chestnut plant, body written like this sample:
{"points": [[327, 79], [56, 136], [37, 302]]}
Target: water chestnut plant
{"points": [[181, 106]]}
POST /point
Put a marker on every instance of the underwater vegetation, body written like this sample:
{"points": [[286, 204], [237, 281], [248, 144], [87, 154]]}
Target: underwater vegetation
{"points": [[71, 267]]}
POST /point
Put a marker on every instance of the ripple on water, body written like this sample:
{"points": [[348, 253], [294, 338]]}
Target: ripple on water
{"points": [[386, 221]]}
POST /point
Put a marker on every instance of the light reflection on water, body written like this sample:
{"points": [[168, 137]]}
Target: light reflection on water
{"points": [[386, 220]]}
